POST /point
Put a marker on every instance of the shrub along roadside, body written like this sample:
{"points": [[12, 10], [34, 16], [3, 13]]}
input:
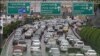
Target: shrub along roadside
{"points": [[7, 30], [0, 50], [91, 36]]}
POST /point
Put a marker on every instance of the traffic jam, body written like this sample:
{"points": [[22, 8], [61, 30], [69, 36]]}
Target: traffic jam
{"points": [[52, 37]]}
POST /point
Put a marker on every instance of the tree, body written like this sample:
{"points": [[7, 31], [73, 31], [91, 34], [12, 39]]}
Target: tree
{"points": [[1, 6]]}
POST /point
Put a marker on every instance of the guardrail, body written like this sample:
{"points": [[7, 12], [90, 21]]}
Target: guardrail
{"points": [[74, 31], [4, 49]]}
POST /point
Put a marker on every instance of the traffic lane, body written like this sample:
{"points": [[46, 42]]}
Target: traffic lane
{"points": [[10, 48], [43, 46], [64, 53], [28, 52]]}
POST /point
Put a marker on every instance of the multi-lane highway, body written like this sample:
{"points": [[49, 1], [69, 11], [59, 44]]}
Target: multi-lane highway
{"points": [[45, 38]]}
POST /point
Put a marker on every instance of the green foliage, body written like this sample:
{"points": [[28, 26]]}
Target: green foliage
{"points": [[0, 50], [9, 28], [91, 36]]}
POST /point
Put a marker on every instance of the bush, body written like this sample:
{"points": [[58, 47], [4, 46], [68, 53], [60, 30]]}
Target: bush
{"points": [[0, 50], [91, 36], [7, 30]]}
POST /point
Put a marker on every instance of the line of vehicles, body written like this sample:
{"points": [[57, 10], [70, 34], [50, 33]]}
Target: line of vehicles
{"points": [[56, 35]]}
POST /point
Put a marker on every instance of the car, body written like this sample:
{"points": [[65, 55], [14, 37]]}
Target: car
{"points": [[56, 36], [54, 52], [86, 48], [26, 27], [60, 39], [64, 45], [38, 32], [43, 26], [17, 52], [65, 28], [90, 53], [15, 42], [36, 26], [22, 43], [50, 29], [71, 54], [47, 36], [36, 53], [35, 38], [79, 44], [35, 43], [34, 48], [28, 35], [79, 54], [50, 42], [17, 34], [19, 30]]}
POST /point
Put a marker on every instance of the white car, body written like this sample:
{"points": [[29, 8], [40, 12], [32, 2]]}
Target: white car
{"points": [[36, 43], [79, 54], [28, 35], [91, 53], [86, 48], [64, 45], [54, 52], [47, 36], [35, 39], [36, 53], [50, 42], [35, 48], [22, 43], [79, 44], [61, 38], [17, 52]]}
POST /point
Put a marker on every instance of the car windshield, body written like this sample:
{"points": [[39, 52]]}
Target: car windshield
{"points": [[80, 42], [17, 51], [35, 45], [22, 42], [91, 51]]}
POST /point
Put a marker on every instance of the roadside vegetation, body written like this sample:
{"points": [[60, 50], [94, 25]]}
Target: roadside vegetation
{"points": [[7, 30], [0, 50], [91, 36]]}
